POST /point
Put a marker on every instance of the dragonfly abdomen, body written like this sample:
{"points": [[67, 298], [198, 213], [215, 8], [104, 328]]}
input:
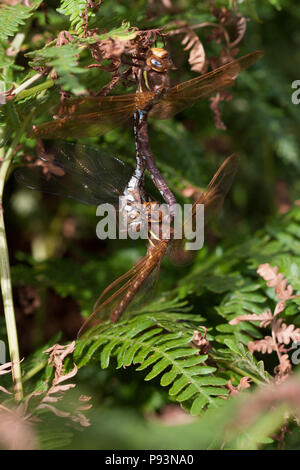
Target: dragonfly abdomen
{"points": [[152, 261]]}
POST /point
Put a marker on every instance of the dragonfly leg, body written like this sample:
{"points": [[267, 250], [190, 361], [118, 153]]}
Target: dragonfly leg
{"points": [[161, 185], [145, 159]]}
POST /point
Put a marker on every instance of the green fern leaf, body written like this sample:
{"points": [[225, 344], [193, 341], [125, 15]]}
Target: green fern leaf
{"points": [[169, 355], [198, 405], [14, 16], [242, 300], [64, 60], [74, 9]]}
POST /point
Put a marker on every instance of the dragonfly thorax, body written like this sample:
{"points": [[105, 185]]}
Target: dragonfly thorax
{"points": [[154, 75]]}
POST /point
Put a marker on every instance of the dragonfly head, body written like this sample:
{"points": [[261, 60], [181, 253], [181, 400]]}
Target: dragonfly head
{"points": [[159, 60]]}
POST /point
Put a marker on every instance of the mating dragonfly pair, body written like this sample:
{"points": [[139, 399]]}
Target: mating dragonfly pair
{"points": [[93, 178]]}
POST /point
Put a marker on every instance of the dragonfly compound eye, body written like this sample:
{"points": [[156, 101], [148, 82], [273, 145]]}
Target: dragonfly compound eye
{"points": [[156, 63]]}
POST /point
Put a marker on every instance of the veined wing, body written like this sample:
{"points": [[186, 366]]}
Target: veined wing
{"points": [[92, 116], [129, 289], [213, 199], [215, 193], [188, 93], [79, 172]]}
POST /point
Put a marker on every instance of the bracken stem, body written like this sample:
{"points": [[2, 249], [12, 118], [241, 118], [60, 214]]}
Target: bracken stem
{"points": [[6, 285]]}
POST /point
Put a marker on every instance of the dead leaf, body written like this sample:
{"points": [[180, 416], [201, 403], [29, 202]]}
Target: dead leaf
{"points": [[285, 334], [15, 432], [197, 53], [276, 280], [244, 383], [200, 340], [265, 345], [265, 318]]}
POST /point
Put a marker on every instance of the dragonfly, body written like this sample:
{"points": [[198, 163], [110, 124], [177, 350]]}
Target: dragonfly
{"points": [[118, 296], [92, 177], [94, 116]]}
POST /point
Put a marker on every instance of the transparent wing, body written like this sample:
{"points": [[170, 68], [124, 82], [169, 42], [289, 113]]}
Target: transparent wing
{"points": [[215, 193], [188, 93], [213, 199], [80, 172]]}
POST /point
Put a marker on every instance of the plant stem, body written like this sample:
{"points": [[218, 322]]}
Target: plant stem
{"points": [[9, 312], [6, 285], [21, 92], [27, 83]]}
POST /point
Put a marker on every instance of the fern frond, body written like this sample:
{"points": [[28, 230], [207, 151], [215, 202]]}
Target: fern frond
{"points": [[74, 9], [140, 341], [5, 61], [14, 16], [242, 300], [64, 60], [239, 359]]}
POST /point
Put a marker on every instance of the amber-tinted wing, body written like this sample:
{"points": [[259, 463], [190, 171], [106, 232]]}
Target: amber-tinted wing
{"points": [[129, 289], [188, 93], [92, 116]]}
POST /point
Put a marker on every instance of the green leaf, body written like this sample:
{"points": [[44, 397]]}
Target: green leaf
{"points": [[12, 17], [139, 340], [64, 60], [198, 405], [74, 9], [122, 33]]}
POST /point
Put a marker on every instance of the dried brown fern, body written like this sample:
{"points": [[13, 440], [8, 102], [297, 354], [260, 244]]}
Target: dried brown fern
{"points": [[281, 333], [18, 421]]}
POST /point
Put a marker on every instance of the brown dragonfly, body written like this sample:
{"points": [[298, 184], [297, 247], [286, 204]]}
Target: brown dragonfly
{"points": [[94, 116], [116, 298]]}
